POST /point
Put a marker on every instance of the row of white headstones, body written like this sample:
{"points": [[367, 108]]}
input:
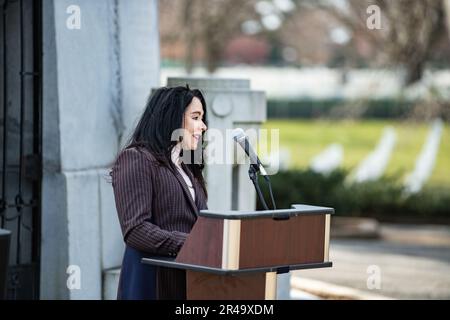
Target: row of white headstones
{"points": [[374, 165]]}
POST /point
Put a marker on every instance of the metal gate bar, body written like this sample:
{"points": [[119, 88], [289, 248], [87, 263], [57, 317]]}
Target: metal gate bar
{"points": [[25, 203]]}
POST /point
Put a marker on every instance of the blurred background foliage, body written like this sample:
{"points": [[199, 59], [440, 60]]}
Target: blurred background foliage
{"points": [[383, 199], [414, 34]]}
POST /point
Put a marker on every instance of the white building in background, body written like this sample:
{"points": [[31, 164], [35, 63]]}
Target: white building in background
{"points": [[326, 83]]}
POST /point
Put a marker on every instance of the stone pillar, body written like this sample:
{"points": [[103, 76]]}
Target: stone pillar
{"points": [[96, 81], [230, 104]]}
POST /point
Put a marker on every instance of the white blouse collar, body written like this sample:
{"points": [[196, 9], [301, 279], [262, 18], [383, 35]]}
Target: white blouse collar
{"points": [[175, 155]]}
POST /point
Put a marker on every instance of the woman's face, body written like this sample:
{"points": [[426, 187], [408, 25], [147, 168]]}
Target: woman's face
{"points": [[193, 125]]}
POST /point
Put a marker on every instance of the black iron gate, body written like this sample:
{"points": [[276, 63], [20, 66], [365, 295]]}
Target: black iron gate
{"points": [[20, 142]]}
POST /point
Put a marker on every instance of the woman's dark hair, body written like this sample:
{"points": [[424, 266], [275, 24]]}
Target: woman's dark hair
{"points": [[164, 114]]}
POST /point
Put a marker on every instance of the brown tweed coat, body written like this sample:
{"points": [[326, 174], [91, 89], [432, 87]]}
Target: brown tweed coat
{"points": [[156, 211]]}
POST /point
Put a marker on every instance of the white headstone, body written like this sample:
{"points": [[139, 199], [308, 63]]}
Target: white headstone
{"points": [[374, 165], [426, 160], [278, 159], [328, 160]]}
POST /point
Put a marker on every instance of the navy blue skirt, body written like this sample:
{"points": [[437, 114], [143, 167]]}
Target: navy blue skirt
{"points": [[137, 280]]}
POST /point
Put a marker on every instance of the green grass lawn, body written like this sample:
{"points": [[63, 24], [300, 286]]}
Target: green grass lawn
{"points": [[306, 138]]}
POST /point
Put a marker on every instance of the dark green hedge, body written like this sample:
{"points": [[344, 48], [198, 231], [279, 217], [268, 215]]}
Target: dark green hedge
{"points": [[338, 108], [383, 199]]}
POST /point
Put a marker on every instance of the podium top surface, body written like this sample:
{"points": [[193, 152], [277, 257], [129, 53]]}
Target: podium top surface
{"points": [[296, 210], [171, 263]]}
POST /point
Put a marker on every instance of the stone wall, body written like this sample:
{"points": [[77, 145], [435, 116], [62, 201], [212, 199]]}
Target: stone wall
{"points": [[96, 81]]}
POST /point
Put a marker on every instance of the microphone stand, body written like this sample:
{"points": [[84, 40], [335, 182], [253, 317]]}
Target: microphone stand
{"points": [[270, 191], [253, 174]]}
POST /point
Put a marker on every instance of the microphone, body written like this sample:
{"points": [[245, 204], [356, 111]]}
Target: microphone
{"points": [[240, 137]]}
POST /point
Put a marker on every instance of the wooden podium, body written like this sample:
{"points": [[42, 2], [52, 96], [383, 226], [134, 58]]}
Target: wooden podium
{"points": [[237, 254]]}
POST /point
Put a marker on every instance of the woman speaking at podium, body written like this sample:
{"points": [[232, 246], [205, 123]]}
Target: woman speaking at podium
{"points": [[157, 194]]}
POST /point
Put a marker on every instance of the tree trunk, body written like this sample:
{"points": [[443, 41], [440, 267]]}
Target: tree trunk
{"points": [[414, 72], [189, 35], [447, 15]]}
